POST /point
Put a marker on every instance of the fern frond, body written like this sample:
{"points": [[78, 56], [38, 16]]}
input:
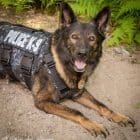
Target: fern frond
{"points": [[129, 6], [87, 8], [18, 4], [137, 37], [7, 3], [124, 32]]}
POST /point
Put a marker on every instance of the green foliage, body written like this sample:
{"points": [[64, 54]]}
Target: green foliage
{"points": [[126, 24], [125, 15], [123, 32], [137, 37], [88, 8], [130, 6], [48, 4], [18, 4]]}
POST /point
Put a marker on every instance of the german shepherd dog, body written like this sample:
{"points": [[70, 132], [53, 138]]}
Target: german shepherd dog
{"points": [[76, 49]]}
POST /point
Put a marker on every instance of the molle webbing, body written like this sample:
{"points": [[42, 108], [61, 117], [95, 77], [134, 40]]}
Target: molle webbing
{"points": [[23, 50]]}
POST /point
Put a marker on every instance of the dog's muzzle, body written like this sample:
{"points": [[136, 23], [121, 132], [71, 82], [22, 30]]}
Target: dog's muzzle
{"points": [[80, 62]]}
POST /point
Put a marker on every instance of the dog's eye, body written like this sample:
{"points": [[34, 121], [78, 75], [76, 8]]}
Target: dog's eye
{"points": [[92, 38], [74, 36]]}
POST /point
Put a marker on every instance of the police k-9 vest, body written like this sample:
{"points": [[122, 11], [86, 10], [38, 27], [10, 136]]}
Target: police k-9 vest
{"points": [[23, 50]]}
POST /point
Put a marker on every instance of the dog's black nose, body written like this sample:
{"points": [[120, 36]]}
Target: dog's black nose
{"points": [[82, 54]]}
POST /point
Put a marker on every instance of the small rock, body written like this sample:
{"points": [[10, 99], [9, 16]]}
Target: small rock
{"points": [[134, 129], [122, 51], [9, 123]]}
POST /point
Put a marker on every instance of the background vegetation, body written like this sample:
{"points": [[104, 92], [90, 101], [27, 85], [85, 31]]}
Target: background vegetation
{"points": [[125, 16]]}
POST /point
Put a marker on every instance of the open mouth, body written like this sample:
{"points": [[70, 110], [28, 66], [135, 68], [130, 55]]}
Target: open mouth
{"points": [[79, 65]]}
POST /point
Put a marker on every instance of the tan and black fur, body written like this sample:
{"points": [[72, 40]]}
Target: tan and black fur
{"points": [[76, 48]]}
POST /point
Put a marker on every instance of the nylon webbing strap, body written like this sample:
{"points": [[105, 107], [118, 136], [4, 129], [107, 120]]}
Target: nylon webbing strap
{"points": [[6, 55], [26, 63], [58, 82], [26, 66], [22, 51], [63, 91]]}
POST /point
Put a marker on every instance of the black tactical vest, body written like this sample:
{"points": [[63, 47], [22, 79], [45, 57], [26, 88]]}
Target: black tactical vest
{"points": [[23, 50]]}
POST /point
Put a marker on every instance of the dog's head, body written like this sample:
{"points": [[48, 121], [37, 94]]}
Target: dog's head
{"points": [[80, 44]]}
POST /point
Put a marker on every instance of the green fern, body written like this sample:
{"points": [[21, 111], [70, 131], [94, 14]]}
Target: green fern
{"points": [[129, 6], [19, 5], [7, 3], [137, 37], [87, 8], [124, 32], [125, 15], [23, 4]]}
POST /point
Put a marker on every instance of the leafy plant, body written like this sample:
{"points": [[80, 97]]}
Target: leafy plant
{"points": [[88, 8], [137, 37], [18, 4], [125, 15], [126, 27], [131, 6], [123, 31]]}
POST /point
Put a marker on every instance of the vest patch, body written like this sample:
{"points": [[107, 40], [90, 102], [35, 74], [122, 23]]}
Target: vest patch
{"points": [[23, 40]]}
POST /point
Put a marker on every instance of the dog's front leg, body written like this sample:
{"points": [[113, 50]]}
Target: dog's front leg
{"points": [[47, 105], [89, 101]]}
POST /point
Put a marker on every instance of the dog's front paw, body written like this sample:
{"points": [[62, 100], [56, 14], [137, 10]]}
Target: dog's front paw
{"points": [[81, 84], [95, 129], [122, 119]]}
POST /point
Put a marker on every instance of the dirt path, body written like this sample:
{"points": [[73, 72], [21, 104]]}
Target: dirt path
{"points": [[116, 82]]}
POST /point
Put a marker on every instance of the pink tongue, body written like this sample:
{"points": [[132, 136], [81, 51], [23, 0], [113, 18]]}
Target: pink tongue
{"points": [[80, 64]]}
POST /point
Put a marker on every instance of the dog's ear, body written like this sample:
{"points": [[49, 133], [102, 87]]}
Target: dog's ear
{"points": [[67, 15], [102, 18]]}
